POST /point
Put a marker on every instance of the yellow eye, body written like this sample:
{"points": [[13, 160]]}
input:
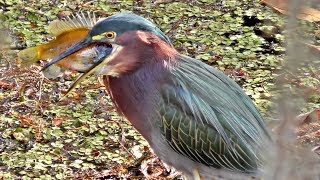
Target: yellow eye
{"points": [[110, 35]]}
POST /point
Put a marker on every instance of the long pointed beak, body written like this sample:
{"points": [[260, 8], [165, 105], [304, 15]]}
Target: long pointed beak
{"points": [[75, 48], [98, 68]]}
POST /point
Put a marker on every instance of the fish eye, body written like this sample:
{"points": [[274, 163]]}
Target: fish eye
{"points": [[110, 35]]}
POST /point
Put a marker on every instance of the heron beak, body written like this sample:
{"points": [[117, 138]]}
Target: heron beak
{"points": [[101, 62], [77, 47], [99, 69]]}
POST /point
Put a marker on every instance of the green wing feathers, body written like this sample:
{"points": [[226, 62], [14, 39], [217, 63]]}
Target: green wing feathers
{"points": [[207, 117], [202, 143]]}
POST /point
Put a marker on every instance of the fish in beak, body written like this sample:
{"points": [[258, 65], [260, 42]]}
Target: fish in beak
{"points": [[102, 57], [65, 33]]}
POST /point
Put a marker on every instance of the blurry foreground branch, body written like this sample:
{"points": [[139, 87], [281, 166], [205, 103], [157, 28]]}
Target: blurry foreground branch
{"points": [[289, 160]]}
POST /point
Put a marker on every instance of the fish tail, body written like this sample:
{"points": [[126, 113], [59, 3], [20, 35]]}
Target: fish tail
{"points": [[30, 56]]}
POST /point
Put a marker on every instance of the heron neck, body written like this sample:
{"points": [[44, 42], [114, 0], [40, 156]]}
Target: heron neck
{"points": [[137, 96]]}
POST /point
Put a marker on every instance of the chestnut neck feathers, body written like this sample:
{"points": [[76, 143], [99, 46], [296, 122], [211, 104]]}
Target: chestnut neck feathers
{"points": [[145, 65]]}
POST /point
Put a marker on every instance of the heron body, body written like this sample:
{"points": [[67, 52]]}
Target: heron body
{"points": [[194, 117]]}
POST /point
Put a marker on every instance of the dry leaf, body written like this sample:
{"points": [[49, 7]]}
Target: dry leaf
{"points": [[309, 117], [58, 121], [316, 150], [306, 13], [313, 48], [6, 85]]}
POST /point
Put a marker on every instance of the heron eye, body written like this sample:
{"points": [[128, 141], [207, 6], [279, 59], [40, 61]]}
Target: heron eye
{"points": [[110, 35]]}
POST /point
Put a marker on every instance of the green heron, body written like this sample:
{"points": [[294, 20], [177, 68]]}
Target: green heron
{"points": [[194, 117]]}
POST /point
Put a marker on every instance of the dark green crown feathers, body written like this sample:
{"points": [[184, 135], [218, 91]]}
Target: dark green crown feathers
{"points": [[121, 23]]}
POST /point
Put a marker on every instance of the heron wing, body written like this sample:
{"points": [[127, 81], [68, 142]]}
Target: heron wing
{"points": [[207, 117]]}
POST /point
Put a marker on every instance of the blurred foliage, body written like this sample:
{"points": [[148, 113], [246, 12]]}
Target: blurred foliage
{"points": [[83, 136]]}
